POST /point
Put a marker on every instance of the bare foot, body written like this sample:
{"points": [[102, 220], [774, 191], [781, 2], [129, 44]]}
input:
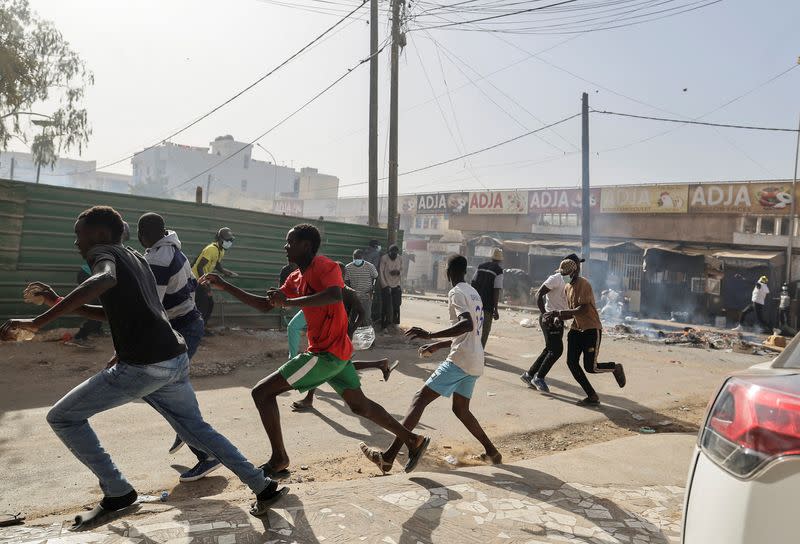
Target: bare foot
{"points": [[495, 458]]}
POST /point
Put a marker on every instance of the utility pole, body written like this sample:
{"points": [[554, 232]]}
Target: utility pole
{"points": [[586, 195], [11, 175], [373, 113], [393, 97], [792, 219], [208, 188]]}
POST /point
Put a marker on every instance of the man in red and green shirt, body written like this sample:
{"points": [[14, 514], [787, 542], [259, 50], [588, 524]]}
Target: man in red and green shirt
{"points": [[316, 288]]}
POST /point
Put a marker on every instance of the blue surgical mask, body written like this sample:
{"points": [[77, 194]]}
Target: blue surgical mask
{"points": [[358, 262], [378, 248], [566, 277], [227, 244]]}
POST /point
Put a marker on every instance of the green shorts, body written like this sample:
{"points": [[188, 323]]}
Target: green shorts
{"points": [[310, 370]]}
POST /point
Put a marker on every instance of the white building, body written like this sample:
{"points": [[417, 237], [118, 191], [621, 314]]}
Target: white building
{"points": [[19, 166], [241, 181]]}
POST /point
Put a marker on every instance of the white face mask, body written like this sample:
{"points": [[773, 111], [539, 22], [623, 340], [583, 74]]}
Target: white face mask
{"points": [[358, 262], [566, 277], [227, 244]]}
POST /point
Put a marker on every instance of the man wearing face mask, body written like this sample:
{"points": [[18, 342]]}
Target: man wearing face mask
{"points": [[585, 333], [361, 276], [390, 271], [372, 255], [210, 260]]}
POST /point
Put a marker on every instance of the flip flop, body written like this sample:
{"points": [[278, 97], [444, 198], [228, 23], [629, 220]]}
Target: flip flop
{"points": [[270, 472], [376, 456], [390, 369], [416, 455], [297, 406], [7, 520], [261, 508]]}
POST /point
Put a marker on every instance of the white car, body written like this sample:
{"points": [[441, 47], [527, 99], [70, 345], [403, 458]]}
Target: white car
{"points": [[744, 479]]}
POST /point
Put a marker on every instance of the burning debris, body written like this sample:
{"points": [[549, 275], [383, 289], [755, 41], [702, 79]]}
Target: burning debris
{"points": [[689, 336]]}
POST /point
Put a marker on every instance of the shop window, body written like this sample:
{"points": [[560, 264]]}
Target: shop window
{"points": [[784, 223], [750, 224], [559, 219], [767, 225]]}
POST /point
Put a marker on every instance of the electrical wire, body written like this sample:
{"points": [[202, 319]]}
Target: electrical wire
{"points": [[690, 122]]}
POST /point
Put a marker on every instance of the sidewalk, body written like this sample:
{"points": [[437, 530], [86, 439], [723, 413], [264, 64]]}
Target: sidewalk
{"points": [[596, 495]]}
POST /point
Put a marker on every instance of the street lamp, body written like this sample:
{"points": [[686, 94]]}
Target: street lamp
{"points": [[275, 170], [44, 123]]}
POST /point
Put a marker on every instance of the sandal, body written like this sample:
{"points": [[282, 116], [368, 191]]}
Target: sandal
{"points": [[376, 456], [416, 455], [496, 459], [7, 520], [298, 406], [389, 370], [261, 508]]}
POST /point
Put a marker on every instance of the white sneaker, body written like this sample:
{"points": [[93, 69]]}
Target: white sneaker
{"points": [[737, 328]]}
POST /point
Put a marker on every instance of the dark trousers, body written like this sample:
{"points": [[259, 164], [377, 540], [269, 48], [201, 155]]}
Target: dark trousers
{"points": [[783, 317], [486, 327], [204, 302], [586, 343], [553, 348], [392, 298], [377, 299], [759, 310], [192, 333]]}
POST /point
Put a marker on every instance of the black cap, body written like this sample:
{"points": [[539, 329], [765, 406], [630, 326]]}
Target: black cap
{"points": [[573, 257]]}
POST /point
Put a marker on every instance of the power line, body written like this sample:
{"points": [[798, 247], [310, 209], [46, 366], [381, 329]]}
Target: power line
{"points": [[236, 95], [690, 122], [476, 152], [529, 10], [279, 123]]}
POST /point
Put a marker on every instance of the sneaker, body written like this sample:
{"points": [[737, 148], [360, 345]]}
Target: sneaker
{"points": [[619, 375], [737, 328], [201, 469], [528, 379], [589, 401], [540, 384], [178, 444]]}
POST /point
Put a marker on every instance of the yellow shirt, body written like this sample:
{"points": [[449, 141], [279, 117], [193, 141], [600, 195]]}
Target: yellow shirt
{"points": [[213, 254]]}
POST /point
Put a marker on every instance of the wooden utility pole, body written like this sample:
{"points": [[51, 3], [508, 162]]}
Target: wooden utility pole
{"points": [[790, 245], [373, 113], [393, 109], [586, 195]]}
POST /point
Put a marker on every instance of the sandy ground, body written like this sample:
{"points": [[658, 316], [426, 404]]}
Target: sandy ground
{"points": [[668, 388]]}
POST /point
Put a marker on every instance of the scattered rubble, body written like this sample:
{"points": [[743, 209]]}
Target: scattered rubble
{"points": [[699, 338]]}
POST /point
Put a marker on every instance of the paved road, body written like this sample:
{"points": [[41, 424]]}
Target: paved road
{"points": [[593, 495], [38, 475]]}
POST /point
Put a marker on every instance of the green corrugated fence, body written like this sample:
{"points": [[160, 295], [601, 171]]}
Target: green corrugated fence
{"points": [[36, 242]]}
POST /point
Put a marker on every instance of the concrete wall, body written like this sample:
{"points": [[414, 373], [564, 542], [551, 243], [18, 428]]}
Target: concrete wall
{"points": [[707, 228]]}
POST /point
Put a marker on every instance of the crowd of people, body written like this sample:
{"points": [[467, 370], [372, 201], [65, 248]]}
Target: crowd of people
{"points": [[158, 303]]}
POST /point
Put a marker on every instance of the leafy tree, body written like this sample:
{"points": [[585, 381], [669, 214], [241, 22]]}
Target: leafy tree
{"points": [[39, 69]]}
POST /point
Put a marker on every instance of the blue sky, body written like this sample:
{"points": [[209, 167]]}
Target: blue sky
{"points": [[158, 65]]}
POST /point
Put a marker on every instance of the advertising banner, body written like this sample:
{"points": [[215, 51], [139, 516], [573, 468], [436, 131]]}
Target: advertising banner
{"points": [[442, 203], [644, 199], [292, 207], [560, 200], [738, 198], [407, 205], [498, 202]]}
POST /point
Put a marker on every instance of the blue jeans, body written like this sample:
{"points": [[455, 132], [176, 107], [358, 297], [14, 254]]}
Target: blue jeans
{"points": [[296, 326], [164, 386], [193, 333]]}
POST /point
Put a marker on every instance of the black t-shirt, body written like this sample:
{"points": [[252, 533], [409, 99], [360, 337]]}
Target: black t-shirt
{"points": [[485, 281], [139, 324]]}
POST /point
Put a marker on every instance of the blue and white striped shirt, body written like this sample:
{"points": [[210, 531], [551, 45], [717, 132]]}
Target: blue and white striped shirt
{"points": [[174, 279]]}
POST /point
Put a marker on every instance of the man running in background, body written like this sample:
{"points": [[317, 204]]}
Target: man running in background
{"points": [[585, 333], [758, 299], [150, 364], [488, 281], [550, 298], [176, 287], [316, 287], [210, 260], [457, 375]]}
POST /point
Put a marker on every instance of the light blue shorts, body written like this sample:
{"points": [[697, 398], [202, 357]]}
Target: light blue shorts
{"points": [[449, 379]]}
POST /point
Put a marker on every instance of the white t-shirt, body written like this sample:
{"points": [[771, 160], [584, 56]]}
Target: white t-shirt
{"points": [[556, 299], [466, 350], [760, 292]]}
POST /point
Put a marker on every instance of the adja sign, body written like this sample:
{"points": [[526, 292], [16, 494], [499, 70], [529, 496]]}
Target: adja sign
{"points": [[560, 200], [498, 202]]}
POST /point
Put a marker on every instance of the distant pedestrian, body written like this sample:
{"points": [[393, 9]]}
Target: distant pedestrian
{"points": [[585, 333], [361, 276], [457, 375], [176, 286], [210, 260], [783, 308], [488, 281], [372, 255], [391, 292], [551, 297], [757, 300]]}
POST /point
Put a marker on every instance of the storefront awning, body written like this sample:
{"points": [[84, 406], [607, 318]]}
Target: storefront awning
{"points": [[751, 258]]}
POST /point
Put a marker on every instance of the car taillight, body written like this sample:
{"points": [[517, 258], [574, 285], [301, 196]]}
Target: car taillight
{"points": [[753, 420]]}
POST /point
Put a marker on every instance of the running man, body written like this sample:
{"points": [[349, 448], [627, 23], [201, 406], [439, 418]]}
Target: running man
{"points": [[585, 333], [210, 260], [176, 286], [551, 297], [457, 375], [316, 287], [356, 316], [150, 364]]}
